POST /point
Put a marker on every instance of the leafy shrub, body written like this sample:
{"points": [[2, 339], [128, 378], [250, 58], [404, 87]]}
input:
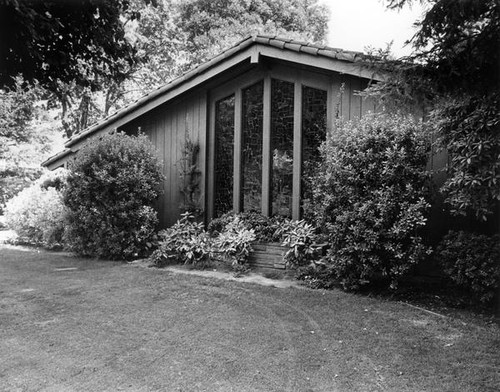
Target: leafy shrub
{"points": [[299, 236], [111, 190], [265, 228], [37, 213], [472, 262], [469, 130], [13, 179], [185, 242], [369, 197], [301, 239], [317, 275], [235, 242]]}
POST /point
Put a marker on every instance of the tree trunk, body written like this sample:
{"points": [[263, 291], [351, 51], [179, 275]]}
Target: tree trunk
{"points": [[84, 111]]}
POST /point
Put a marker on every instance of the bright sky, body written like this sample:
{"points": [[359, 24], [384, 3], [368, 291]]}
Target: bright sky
{"points": [[356, 24]]}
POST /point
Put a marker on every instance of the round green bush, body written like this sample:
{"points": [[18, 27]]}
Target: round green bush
{"points": [[111, 190], [369, 196], [472, 261], [37, 213]]}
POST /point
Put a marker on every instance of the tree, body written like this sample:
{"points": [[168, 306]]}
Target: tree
{"points": [[175, 36], [72, 48], [64, 41], [26, 129], [454, 71], [214, 25]]}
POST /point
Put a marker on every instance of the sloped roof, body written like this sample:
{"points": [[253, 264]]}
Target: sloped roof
{"points": [[322, 51]]}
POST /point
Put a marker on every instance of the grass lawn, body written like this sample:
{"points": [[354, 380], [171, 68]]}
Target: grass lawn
{"points": [[70, 324]]}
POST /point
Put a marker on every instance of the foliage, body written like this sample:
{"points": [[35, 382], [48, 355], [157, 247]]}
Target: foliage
{"points": [[454, 68], [265, 228], [301, 239], [235, 242], [111, 191], [469, 129], [187, 242], [26, 131], [471, 261], [317, 275], [37, 213], [453, 47], [212, 26], [369, 198], [61, 42], [13, 180], [184, 242], [174, 36]]}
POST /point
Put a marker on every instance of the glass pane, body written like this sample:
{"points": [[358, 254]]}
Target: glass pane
{"points": [[313, 133], [252, 147], [224, 150], [282, 95]]}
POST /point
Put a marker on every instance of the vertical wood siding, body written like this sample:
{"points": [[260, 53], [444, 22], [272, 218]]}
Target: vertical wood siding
{"points": [[167, 127], [346, 99]]}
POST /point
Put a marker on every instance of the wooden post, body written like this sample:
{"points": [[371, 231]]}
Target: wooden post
{"points": [[237, 151], [297, 150], [266, 148]]}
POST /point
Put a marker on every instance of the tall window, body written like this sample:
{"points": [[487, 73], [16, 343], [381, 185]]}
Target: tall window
{"points": [[252, 147], [224, 153], [313, 133], [282, 97]]}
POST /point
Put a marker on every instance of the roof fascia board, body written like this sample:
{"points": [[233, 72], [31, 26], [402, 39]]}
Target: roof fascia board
{"points": [[55, 161], [323, 62], [137, 111]]}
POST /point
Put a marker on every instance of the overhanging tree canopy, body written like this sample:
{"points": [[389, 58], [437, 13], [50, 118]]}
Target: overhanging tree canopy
{"points": [[57, 41]]}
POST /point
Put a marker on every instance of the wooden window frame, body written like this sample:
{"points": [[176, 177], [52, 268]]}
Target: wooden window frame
{"points": [[299, 78]]}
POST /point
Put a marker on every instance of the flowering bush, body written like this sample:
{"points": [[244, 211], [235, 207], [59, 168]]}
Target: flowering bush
{"points": [[113, 185], [369, 196], [37, 213]]}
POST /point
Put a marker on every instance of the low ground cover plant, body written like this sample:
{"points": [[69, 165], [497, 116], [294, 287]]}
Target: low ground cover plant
{"points": [[229, 238], [184, 242], [302, 242], [187, 242], [37, 214], [235, 242], [265, 228], [112, 187], [370, 198]]}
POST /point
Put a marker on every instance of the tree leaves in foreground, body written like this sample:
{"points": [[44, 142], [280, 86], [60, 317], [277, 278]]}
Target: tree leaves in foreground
{"points": [[71, 48], [175, 36], [454, 70], [59, 41]]}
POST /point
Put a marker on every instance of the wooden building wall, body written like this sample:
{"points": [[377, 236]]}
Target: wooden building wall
{"points": [[168, 127]]}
